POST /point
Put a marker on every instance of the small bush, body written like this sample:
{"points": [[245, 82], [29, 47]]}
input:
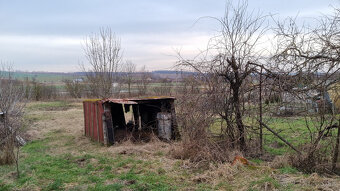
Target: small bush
{"points": [[38, 91], [75, 88], [197, 144]]}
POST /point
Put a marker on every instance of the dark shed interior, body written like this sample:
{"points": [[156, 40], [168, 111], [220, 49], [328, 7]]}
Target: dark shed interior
{"points": [[140, 119]]}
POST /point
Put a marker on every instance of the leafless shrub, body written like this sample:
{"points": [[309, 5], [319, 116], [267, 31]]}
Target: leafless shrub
{"points": [[190, 85], [39, 91], [143, 81], [74, 87], [164, 89], [12, 102], [129, 70], [197, 144]]}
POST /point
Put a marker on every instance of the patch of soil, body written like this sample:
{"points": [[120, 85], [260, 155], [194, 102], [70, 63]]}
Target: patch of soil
{"points": [[81, 162]]}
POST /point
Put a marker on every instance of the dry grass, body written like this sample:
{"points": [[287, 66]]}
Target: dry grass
{"points": [[7, 152], [310, 182], [66, 126]]}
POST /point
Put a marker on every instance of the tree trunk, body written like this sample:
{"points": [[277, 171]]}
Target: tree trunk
{"points": [[129, 88], [238, 115]]}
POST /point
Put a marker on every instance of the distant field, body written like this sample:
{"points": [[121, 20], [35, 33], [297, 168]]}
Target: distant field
{"points": [[43, 77]]}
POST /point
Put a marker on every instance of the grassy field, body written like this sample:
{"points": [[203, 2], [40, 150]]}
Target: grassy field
{"points": [[42, 77], [60, 157], [293, 129]]}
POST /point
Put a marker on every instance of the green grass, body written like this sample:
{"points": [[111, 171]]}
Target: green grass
{"points": [[288, 170], [110, 187], [42, 77], [29, 119], [293, 129], [256, 161], [261, 183], [40, 168], [5, 187], [48, 106]]}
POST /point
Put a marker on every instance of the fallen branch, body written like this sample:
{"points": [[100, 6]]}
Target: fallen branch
{"points": [[277, 135]]}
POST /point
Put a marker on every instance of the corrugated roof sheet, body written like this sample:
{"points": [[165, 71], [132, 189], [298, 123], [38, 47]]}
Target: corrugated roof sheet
{"points": [[121, 101], [130, 100], [152, 98]]}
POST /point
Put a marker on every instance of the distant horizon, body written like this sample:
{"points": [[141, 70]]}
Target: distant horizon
{"points": [[47, 72], [78, 71]]}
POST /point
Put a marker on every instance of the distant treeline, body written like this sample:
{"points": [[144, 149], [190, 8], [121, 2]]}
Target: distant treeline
{"points": [[60, 76]]}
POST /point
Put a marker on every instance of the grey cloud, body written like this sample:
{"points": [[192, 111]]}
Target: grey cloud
{"points": [[29, 30]]}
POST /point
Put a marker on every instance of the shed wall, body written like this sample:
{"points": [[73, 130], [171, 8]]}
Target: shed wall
{"points": [[93, 112]]}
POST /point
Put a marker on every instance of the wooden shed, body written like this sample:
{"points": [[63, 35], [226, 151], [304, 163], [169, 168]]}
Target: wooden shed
{"points": [[112, 120]]}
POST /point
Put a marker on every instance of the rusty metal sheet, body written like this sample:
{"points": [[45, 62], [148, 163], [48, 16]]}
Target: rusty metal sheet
{"points": [[120, 101], [91, 120], [88, 114], [152, 98], [85, 118], [95, 122]]}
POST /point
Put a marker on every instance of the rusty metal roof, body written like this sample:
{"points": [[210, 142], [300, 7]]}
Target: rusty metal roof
{"points": [[130, 100], [121, 101], [151, 98]]}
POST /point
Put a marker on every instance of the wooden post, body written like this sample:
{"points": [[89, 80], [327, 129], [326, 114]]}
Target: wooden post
{"points": [[139, 119], [174, 127], [260, 100], [106, 118], [336, 149]]}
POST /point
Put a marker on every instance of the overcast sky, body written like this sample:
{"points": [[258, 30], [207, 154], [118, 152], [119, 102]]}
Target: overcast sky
{"points": [[47, 35]]}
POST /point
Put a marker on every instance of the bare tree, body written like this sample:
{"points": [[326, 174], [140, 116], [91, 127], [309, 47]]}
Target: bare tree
{"points": [[143, 81], [12, 102], [103, 53], [306, 67], [129, 69], [231, 57]]}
